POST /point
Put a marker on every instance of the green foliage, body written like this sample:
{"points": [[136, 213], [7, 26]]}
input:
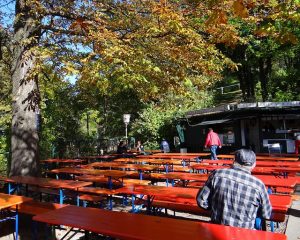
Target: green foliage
{"points": [[60, 115], [158, 119], [5, 101]]}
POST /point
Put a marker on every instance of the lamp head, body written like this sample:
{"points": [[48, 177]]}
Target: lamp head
{"points": [[126, 118]]}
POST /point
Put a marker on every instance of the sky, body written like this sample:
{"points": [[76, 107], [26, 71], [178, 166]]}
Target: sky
{"points": [[7, 8]]}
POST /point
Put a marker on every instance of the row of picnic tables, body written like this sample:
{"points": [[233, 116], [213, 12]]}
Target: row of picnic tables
{"points": [[186, 196], [182, 195]]}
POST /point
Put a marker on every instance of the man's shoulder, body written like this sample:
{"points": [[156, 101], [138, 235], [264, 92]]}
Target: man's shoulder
{"points": [[238, 174]]}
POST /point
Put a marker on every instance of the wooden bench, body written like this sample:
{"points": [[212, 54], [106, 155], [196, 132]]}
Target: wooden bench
{"points": [[295, 197], [122, 225], [104, 180], [130, 182], [194, 209], [95, 195], [195, 184], [284, 190], [34, 207]]}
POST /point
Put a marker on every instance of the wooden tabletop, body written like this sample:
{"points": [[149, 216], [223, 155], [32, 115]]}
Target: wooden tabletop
{"points": [[268, 180], [97, 157], [103, 179], [57, 160], [180, 176], [89, 171], [162, 156], [201, 166], [172, 192], [274, 181], [258, 163], [7, 201], [185, 154], [116, 165], [136, 226], [166, 161], [48, 182], [261, 158]]}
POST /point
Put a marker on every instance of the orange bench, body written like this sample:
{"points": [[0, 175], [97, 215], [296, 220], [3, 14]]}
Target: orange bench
{"points": [[284, 190], [35, 207], [194, 209], [124, 225]]}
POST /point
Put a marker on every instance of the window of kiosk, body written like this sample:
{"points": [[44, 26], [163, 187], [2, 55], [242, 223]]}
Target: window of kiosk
{"points": [[227, 136]]}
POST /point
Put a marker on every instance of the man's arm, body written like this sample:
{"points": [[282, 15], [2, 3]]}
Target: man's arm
{"points": [[266, 207], [203, 197], [207, 140], [219, 142]]}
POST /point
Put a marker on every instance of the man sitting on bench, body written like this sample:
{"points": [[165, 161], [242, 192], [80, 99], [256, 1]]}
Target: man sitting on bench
{"points": [[234, 196]]}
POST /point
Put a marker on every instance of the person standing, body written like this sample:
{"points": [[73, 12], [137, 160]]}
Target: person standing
{"points": [[164, 146], [234, 196], [139, 146], [213, 142], [122, 147]]}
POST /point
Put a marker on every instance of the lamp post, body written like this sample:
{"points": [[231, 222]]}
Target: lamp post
{"points": [[126, 120]]}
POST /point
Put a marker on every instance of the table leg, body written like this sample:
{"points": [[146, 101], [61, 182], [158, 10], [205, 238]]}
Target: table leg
{"points": [[9, 188], [132, 203], [61, 196], [148, 204], [109, 182], [17, 223]]}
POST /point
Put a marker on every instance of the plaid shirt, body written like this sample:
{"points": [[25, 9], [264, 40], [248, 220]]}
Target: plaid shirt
{"points": [[235, 198]]}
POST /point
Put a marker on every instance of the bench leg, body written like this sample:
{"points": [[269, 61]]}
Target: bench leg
{"points": [[258, 223], [34, 230], [86, 235], [17, 223], [132, 203], [272, 226]]}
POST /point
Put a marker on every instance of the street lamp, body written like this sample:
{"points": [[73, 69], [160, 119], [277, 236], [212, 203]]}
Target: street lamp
{"points": [[126, 120]]}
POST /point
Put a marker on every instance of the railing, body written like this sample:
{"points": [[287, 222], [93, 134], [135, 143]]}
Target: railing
{"points": [[232, 87]]}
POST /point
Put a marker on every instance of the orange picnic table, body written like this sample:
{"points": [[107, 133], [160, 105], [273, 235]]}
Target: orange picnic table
{"points": [[101, 179], [139, 167], [258, 163], [130, 226], [261, 158], [185, 154], [278, 181], [6, 202], [58, 160], [183, 178], [208, 167], [163, 156], [269, 180], [280, 203], [46, 183], [116, 175]]}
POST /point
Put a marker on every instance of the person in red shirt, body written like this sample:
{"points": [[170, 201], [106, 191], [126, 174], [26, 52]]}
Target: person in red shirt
{"points": [[213, 142]]}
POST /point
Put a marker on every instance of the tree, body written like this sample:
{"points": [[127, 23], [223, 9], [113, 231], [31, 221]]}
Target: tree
{"points": [[159, 119], [148, 47]]}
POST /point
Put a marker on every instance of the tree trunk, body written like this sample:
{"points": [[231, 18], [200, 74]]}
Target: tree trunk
{"points": [[25, 139], [265, 67]]}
